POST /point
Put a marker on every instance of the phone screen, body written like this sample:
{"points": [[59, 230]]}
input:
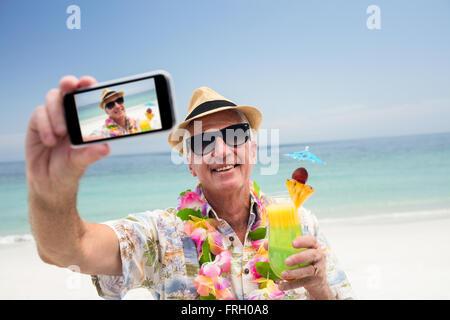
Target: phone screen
{"points": [[118, 109]]}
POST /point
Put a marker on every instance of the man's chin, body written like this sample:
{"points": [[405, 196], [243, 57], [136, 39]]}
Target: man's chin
{"points": [[225, 183]]}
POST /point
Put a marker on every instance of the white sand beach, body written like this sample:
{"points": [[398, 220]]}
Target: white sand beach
{"points": [[402, 257]]}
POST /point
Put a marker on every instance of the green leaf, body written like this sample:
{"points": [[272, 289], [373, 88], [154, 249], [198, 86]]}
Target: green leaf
{"points": [[132, 219], [210, 297], [264, 269], [256, 187], [185, 214], [207, 256], [182, 194], [258, 234]]}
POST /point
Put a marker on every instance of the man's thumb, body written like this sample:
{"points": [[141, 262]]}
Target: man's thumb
{"points": [[84, 157]]}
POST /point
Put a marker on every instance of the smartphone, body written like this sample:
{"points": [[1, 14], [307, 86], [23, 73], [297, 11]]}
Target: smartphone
{"points": [[117, 109]]}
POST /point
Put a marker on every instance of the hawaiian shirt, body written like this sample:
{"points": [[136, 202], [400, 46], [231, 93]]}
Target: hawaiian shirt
{"points": [[157, 254], [112, 129]]}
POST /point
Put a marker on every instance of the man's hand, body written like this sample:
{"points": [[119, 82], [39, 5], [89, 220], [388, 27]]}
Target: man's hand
{"points": [[54, 170], [313, 276], [51, 164]]}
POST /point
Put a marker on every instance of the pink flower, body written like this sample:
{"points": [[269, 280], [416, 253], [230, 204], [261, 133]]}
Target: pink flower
{"points": [[224, 295], [204, 285], [210, 270], [215, 243], [255, 273], [188, 227], [199, 236], [258, 243], [268, 291], [220, 283], [190, 200], [223, 260], [209, 282], [273, 290]]}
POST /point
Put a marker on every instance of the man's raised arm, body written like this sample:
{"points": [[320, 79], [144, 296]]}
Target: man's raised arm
{"points": [[54, 170]]}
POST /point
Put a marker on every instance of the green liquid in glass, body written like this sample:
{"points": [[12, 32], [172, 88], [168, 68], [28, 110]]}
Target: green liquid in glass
{"points": [[284, 227]]}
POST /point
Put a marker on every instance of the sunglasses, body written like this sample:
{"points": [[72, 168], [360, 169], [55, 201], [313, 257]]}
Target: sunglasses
{"points": [[111, 104], [205, 142]]}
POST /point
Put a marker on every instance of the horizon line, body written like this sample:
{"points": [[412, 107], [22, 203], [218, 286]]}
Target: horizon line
{"points": [[265, 146]]}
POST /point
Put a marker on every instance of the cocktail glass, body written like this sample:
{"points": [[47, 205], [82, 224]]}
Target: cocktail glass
{"points": [[145, 125], [284, 227]]}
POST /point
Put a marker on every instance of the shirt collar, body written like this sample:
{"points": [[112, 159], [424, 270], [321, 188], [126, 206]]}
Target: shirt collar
{"points": [[254, 214]]}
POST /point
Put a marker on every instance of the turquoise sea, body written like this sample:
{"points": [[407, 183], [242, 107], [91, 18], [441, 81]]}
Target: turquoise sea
{"points": [[361, 178]]}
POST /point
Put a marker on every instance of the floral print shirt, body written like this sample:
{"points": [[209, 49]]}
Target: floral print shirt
{"points": [[157, 254]]}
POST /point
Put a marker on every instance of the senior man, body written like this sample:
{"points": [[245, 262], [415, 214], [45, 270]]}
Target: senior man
{"points": [[117, 123], [165, 250]]}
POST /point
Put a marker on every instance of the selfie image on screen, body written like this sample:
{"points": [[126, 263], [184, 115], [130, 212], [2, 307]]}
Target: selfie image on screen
{"points": [[118, 110]]}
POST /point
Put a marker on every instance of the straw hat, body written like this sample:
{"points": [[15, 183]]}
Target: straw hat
{"points": [[205, 101], [106, 94]]}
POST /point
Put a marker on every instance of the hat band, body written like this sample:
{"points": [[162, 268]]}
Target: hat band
{"points": [[109, 94], [208, 106]]}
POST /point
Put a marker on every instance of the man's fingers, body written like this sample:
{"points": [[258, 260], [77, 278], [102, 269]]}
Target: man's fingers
{"points": [[289, 285], [83, 157], [68, 84], [309, 255], [298, 273], [86, 81], [53, 101], [43, 126], [305, 242]]}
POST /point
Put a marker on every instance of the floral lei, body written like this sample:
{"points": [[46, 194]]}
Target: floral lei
{"points": [[115, 130], [215, 260]]}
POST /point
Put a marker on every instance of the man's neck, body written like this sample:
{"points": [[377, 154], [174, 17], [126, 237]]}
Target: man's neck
{"points": [[122, 122], [233, 207]]}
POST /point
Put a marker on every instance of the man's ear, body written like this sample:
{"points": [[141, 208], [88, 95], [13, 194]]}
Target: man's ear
{"points": [[192, 171], [191, 166], [253, 151]]}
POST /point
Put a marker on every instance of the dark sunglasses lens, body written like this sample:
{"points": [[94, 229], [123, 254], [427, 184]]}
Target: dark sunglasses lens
{"points": [[236, 135], [111, 104], [208, 142], [201, 145]]}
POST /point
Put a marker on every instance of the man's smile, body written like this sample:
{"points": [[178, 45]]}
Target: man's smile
{"points": [[225, 168]]}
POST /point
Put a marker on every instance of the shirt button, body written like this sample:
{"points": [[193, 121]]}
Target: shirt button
{"points": [[246, 271], [231, 238]]}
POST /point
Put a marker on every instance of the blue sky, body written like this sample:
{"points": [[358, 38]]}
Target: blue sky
{"points": [[312, 67]]}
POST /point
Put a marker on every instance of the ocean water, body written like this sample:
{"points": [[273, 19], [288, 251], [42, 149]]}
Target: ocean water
{"points": [[394, 176]]}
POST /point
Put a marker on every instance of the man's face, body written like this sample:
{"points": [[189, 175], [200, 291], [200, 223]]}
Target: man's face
{"points": [[117, 112], [207, 167]]}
